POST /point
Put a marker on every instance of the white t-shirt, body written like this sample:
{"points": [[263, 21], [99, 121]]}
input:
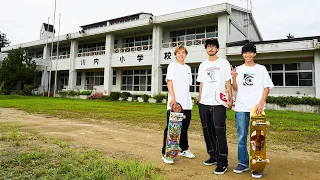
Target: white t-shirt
{"points": [[251, 81], [182, 79], [213, 75]]}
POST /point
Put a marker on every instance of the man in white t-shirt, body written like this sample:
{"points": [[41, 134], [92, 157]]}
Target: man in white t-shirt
{"points": [[179, 79], [253, 83], [214, 75]]}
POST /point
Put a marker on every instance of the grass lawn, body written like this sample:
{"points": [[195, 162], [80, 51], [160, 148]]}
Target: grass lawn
{"points": [[294, 129], [31, 156]]}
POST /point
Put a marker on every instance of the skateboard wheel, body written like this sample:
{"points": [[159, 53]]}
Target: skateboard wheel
{"points": [[254, 123], [267, 161], [268, 123], [184, 117], [254, 161]]}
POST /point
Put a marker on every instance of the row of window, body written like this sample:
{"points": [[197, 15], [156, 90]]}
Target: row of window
{"points": [[194, 33], [293, 74], [137, 41], [91, 47]]}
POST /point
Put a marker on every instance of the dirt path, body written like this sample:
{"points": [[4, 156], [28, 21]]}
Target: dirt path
{"points": [[137, 143]]}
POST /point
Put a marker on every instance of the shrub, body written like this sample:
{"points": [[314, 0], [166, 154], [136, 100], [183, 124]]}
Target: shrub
{"points": [[134, 98], [114, 96], [73, 93], [88, 92], [125, 95], [63, 93], [284, 101], [145, 97], [159, 97]]}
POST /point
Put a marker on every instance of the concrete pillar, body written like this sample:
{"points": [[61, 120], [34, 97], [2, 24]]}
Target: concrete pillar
{"points": [[108, 73], [83, 80], [72, 71], [223, 31], [317, 72], [156, 70], [45, 74]]}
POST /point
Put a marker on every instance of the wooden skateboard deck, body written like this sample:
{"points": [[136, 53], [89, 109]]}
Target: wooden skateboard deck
{"points": [[258, 132], [174, 131]]}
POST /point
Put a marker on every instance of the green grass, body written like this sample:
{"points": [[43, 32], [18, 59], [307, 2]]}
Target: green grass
{"points": [[30, 156], [294, 129]]}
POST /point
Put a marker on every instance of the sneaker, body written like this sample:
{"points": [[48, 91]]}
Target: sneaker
{"points": [[211, 161], [221, 169], [256, 175], [240, 169], [187, 153], [168, 161]]}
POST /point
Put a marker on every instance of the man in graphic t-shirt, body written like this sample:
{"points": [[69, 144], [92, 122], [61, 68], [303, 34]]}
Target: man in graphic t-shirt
{"points": [[253, 83], [214, 74]]}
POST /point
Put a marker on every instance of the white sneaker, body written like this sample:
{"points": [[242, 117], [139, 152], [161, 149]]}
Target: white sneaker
{"points": [[168, 161], [187, 153]]}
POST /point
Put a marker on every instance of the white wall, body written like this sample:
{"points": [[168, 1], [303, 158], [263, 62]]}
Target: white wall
{"points": [[235, 34], [317, 72], [88, 62], [130, 59]]}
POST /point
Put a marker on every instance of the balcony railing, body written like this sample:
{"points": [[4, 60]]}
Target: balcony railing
{"points": [[61, 57], [133, 49], [193, 42], [92, 53]]}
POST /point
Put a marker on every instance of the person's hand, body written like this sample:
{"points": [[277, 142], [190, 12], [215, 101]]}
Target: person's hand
{"points": [[199, 99], [260, 108], [173, 102], [230, 103], [234, 72]]}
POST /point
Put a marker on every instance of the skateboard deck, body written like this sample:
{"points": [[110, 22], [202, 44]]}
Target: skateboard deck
{"points": [[174, 131], [222, 98], [258, 132]]}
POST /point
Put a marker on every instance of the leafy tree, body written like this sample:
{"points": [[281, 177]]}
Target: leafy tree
{"points": [[290, 36], [3, 41], [18, 68]]}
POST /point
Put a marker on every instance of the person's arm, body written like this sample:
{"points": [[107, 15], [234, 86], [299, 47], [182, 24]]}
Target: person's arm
{"points": [[229, 91], [171, 92], [234, 79], [200, 79], [169, 78], [200, 91], [267, 85], [263, 100]]}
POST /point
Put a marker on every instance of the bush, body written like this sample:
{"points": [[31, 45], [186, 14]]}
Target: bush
{"points": [[27, 90], [134, 98], [145, 97], [159, 97], [63, 93], [86, 92], [114, 96], [73, 93], [284, 101], [125, 95]]}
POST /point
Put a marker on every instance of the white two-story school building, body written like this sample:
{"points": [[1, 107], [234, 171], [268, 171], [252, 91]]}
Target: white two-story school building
{"points": [[132, 53]]}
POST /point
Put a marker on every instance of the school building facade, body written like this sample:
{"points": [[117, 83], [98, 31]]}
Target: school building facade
{"points": [[132, 53]]}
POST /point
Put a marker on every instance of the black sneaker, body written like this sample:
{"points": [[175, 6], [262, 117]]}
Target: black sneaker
{"points": [[211, 161], [221, 169]]}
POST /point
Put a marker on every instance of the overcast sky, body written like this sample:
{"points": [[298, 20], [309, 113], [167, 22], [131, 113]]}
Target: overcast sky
{"points": [[21, 20]]}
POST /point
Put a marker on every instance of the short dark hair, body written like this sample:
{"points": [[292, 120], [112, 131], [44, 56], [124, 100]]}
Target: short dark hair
{"points": [[249, 47], [211, 41]]}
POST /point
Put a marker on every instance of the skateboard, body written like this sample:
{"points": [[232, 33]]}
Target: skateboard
{"points": [[174, 131], [222, 98], [258, 130]]}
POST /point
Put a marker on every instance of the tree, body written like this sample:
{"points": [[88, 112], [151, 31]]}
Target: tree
{"points": [[3, 41], [290, 36], [18, 69]]}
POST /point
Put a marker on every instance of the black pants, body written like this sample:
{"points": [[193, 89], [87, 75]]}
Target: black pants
{"points": [[184, 145], [213, 120]]}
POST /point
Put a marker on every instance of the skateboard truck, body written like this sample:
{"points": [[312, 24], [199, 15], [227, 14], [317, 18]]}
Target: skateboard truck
{"points": [[260, 160], [254, 123]]}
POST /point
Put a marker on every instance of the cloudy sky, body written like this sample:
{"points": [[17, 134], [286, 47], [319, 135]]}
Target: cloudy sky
{"points": [[21, 20]]}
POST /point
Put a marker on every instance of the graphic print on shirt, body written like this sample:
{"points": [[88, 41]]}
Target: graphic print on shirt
{"points": [[211, 72], [248, 79]]}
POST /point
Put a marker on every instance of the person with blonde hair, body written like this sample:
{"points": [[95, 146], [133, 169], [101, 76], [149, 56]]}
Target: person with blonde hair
{"points": [[179, 79]]}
